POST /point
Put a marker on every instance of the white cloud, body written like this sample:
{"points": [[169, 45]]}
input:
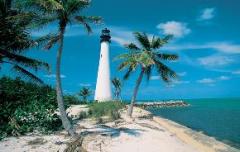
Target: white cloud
{"points": [[173, 83], [224, 47], [119, 40], [182, 74], [206, 81], [155, 77], [215, 60], [236, 72], [85, 84], [212, 81], [223, 77], [121, 35], [178, 29], [207, 14], [54, 76], [181, 82]]}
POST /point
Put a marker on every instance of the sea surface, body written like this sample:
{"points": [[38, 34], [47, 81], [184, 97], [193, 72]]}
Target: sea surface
{"points": [[219, 118]]}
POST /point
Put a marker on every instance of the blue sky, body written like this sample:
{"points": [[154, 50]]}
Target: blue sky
{"points": [[206, 37]]}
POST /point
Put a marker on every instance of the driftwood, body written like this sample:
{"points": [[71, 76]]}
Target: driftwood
{"points": [[76, 145]]}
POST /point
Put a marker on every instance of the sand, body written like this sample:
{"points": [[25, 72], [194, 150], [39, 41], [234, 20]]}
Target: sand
{"points": [[143, 133]]}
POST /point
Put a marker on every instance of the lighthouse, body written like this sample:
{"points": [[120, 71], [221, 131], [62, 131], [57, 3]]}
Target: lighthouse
{"points": [[103, 87]]}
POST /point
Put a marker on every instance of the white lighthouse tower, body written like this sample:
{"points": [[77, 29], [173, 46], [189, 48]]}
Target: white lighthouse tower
{"points": [[103, 87]]}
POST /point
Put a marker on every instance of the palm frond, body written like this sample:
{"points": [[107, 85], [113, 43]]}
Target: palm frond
{"points": [[123, 65], [26, 61], [74, 6], [117, 83], [142, 39], [148, 72], [25, 73], [164, 56], [122, 56], [41, 5], [131, 46], [158, 42], [128, 73], [166, 73], [51, 41], [85, 20]]}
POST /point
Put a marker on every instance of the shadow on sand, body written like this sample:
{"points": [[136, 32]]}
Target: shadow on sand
{"points": [[112, 132]]}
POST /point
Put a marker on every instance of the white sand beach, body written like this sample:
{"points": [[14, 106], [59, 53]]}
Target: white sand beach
{"points": [[142, 134]]}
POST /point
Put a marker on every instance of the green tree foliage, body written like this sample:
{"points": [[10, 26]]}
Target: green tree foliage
{"points": [[25, 107], [16, 40], [85, 93], [118, 88], [64, 12], [146, 58]]}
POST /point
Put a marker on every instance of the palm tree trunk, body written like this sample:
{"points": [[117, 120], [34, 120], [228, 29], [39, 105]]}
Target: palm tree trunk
{"points": [[66, 123], [139, 80]]}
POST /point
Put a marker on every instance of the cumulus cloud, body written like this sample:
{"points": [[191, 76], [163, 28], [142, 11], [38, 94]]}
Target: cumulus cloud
{"points": [[178, 29], [215, 60], [224, 47], [207, 14], [54, 76]]}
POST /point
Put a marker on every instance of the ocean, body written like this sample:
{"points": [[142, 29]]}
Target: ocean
{"points": [[219, 118]]}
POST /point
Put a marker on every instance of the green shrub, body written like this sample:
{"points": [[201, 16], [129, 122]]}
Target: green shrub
{"points": [[83, 115], [25, 107], [72, 100], [110, 109]]}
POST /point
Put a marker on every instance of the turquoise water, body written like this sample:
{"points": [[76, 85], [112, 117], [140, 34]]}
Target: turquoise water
{"points": [[219, 118]]}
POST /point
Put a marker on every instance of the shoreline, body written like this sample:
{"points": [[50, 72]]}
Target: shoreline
{"points": [[198, 139], [145, 132]]}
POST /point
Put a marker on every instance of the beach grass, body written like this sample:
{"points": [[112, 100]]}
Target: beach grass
{"points": [[109, 109]]}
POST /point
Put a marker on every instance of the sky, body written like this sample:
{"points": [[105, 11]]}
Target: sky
{"points": [[206, 38]]}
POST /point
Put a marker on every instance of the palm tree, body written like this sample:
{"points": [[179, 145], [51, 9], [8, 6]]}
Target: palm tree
{"points": [[15, 39], [118, 87], [146, 57], [85, 93], [64, 12]]}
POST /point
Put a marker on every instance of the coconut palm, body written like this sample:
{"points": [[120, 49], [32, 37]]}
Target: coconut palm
{"points": [[118, 87], [146, 58], [64, 12], [85, 93], [15, 40]]}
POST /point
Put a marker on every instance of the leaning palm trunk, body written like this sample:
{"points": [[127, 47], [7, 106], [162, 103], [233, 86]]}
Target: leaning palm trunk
{"points": [[66, 123], [139, 80]]}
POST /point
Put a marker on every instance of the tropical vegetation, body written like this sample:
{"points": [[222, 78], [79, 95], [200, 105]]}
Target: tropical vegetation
{"points": [[16, 40], [85, 93], [109, 109], [117, 84], [64, 12], [26, 107], [146, 57]]}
